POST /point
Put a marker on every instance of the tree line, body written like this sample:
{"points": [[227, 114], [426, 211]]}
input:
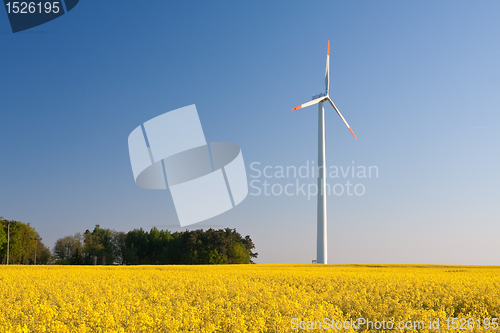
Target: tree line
{"points": [[23, 239], [156, 247]]}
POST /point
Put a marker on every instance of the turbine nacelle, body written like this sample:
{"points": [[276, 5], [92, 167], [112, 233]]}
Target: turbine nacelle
{"points": [[320, 95]]}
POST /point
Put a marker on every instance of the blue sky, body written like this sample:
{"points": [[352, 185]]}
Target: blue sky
{"points": [[417, 81]]}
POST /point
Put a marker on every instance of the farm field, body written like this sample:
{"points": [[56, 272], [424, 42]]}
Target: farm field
{"points": [[247, 298]]}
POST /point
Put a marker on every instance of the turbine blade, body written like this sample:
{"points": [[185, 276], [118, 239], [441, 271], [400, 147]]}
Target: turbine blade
{"points": [[327, 73], [314, 101], [343, 119]]}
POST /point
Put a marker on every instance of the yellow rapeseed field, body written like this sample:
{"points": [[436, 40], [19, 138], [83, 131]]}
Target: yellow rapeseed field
{"points": [[248, 298]]}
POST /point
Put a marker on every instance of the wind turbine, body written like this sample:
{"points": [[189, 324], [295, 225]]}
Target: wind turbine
{"points": [[320, 100]]}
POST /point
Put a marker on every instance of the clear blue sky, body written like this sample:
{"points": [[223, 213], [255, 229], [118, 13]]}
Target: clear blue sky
{"points": [[418, 81]]}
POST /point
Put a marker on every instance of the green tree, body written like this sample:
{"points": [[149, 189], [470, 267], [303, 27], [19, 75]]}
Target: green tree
{"points": [[27, 236], [15, 242], [99, 243], [136, 243], [3, 239], [43, 255], [119, 246], [21, 242], [238, 254], [69, 250], [156, 247]]}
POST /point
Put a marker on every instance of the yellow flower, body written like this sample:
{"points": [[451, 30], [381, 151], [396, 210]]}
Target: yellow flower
{"points": [[244, 298]]}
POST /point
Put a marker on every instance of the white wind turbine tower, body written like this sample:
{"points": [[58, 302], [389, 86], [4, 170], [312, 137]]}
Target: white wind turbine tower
{"points": [[321, 98]]}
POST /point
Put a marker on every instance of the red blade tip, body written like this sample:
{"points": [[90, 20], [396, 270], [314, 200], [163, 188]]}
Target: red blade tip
{"points": [[298, 107], [328, 54], [353, 133]]}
